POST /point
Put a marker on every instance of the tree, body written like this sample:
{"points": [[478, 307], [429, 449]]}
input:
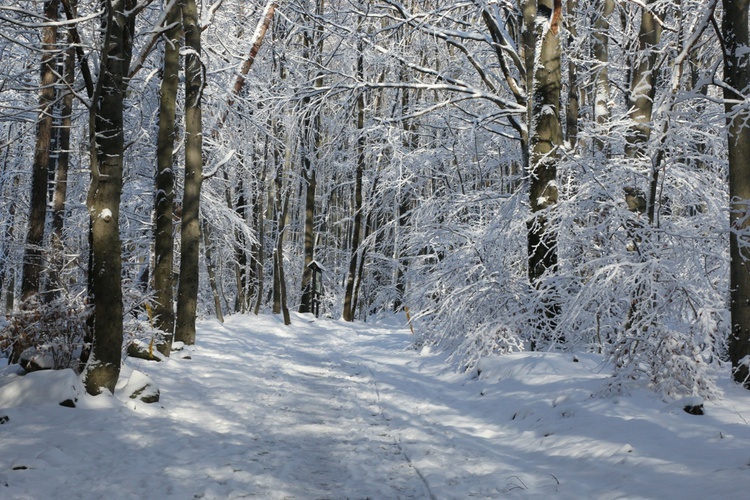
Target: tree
{"points": [[310, 137], [32, 267], [574, 101], [641, 98], [545, 138], [62, 172], [601, 54], [164, 197], [187, 292], [357, 230], [103, 203], [737, 81]]}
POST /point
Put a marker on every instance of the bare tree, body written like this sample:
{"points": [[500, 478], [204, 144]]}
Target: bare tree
{"points": [[187, 292], [62, 170], [545, 138], [349, 304], [164, 197], [313, 43], [32, 267], [107, 152], [601, 54], [737, 80]]}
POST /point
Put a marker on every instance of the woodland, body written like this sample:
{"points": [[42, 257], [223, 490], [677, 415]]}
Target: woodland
{"points": [[513, 174]]}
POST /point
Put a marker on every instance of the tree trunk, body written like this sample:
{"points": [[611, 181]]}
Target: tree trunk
{"points": [[571, 114], [241, 302], [281, 208], [211, 271], [71, 13], [187, 292], [107, 149], [602, 91], [642, 100], [61, 176], [643, 90], [258, 250], [279, 256], [410, 141], [545, 137], [164, 185], [367, 230], [308, 175], [310, 143], [349, 305], [258, 36], [32, 259], [404, 207], [737, 76], [7, 270]]}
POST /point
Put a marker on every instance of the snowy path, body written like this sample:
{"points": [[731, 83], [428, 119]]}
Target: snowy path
{"points": [[290, 413], [329, 410], [300, 421]]}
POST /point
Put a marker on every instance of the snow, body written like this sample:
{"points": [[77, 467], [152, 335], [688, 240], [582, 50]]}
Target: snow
{"points": [[39, 388], [326, 409]]}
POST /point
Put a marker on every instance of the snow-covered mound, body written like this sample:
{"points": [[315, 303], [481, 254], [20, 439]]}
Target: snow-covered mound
{"points": [[39, 388]]}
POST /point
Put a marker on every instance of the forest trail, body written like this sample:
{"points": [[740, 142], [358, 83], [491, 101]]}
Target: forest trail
{"points": [[324, 409], [331, 410], [303, 420], [318, 410]]}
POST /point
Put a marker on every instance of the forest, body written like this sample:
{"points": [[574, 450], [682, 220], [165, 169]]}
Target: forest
{"points": [[513, 174]]}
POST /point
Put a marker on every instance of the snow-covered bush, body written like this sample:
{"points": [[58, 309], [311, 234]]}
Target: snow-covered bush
{"points": [[468, 283], [52, 332]]}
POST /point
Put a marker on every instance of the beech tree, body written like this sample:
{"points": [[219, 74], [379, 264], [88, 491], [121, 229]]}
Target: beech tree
{"points": [[105, 191], [737, 80], [310, 143], [164, 186], [62, 170], [33, 254], [357, 229], [545, 138], [187, 292]]}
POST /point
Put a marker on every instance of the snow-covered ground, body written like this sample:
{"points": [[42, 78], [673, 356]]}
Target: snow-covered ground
{"points": [[325, 409]]}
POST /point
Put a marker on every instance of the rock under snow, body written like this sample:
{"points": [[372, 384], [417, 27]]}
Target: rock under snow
{"points": [[60, 387], [140, 386], [33, 359], [142, 350]]}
